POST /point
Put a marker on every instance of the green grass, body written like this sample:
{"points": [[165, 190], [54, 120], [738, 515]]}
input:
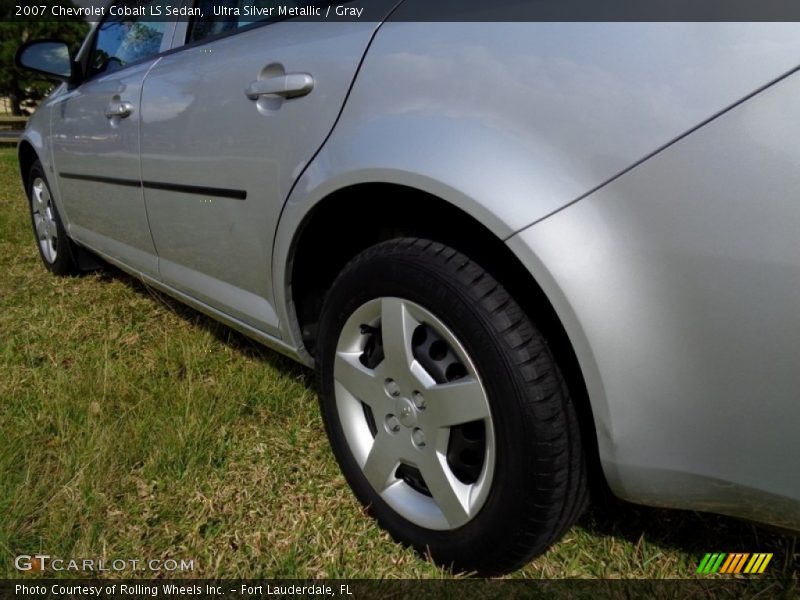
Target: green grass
{"points": [[133, 427]]}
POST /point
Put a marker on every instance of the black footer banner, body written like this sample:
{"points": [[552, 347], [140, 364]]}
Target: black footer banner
{"points": [[458, 589]]}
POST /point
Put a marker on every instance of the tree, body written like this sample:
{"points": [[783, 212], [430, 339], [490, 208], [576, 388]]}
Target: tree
{"points": [[23, 88]]}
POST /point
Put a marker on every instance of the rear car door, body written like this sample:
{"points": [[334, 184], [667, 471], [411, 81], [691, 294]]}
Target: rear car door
{"points": [[228, 123], [95, 133]]}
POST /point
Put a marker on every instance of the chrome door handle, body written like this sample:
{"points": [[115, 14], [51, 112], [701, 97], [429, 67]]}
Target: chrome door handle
{"points": [[290, 85], [119, 109]]}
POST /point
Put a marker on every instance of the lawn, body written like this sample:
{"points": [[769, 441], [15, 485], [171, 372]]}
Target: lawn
{"points": [[132, 427]]}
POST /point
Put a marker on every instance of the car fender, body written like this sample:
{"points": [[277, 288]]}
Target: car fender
{"points": [[510, 122], [37, 136]]}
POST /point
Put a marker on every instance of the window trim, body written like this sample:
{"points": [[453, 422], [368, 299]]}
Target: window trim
{"points": [[250, 27], [177, 42], [166, 40]]}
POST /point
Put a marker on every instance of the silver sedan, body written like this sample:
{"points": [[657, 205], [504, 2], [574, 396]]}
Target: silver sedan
{"points": [[517, 253]]}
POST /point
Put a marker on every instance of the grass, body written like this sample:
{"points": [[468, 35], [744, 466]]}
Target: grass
{"points": [[132, 427]]}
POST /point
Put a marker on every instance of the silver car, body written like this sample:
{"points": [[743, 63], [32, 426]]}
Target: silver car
{"points": [[520, 255]]}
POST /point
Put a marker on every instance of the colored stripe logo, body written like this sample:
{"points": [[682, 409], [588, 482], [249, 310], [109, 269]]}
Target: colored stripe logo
{"points": [[737, 562]]}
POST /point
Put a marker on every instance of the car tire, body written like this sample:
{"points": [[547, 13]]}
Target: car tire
{"points": [[57, 251], [415, 337]]}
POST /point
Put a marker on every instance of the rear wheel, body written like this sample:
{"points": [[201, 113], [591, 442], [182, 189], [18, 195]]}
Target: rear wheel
{"points": [[57, 251], [446, 410]]}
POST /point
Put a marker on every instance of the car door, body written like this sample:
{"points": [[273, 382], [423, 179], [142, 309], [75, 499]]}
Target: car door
{"points": [[95, 134], [228, 124]]}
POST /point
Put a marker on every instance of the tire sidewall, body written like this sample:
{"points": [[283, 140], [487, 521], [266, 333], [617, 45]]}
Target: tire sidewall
{"points": [[64, 262], [437, 290]]}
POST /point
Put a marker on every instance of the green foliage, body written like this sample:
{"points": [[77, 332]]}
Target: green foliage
{"points": [[25, 89]]}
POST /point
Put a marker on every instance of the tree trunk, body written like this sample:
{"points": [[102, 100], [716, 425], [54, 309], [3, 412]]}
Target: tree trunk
{"points": [[16, 98]]}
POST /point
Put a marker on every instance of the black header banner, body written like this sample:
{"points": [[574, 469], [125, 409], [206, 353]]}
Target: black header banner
{"points": [[409, 10]]}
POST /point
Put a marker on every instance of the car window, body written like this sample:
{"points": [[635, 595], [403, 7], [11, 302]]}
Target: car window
{"points": [[223, 16], [122, 40]]}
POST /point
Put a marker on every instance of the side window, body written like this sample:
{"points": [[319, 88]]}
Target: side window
{"points": [[222, 16], [121, 40]]}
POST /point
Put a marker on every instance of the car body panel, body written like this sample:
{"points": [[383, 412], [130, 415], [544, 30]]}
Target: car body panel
{"points": [[679, 286], [512, 121], [643, 173], [519, 119], [258, 151], [37, 136], [98, 167]]}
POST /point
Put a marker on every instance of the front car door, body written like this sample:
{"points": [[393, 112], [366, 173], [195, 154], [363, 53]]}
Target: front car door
{"points": [[95, 133], [224, 136]]}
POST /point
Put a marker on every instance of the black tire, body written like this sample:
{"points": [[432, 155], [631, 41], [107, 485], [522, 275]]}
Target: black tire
{"points": [[65, 260], [540, 484]]}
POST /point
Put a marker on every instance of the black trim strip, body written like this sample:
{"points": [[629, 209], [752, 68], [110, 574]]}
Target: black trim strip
{"points": [[111, 180], [197, 189], [158, 185]]}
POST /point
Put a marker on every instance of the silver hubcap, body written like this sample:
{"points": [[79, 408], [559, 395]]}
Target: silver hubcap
{"points": [[401, 416], [44, 220]]}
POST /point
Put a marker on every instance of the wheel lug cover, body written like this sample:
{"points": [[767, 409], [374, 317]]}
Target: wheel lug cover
{"points": [[391, 387], [419, 400], [392, 424], [418, 437]]}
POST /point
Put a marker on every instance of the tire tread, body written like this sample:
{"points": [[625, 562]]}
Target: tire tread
{"points": [[557, 470]]}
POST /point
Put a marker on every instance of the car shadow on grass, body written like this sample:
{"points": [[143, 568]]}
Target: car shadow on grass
{"points": [[232, 338], [692, 533]]}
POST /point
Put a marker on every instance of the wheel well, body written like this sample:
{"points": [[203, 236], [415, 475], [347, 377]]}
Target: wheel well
{"points": [[350, 220], [27, 156]]}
